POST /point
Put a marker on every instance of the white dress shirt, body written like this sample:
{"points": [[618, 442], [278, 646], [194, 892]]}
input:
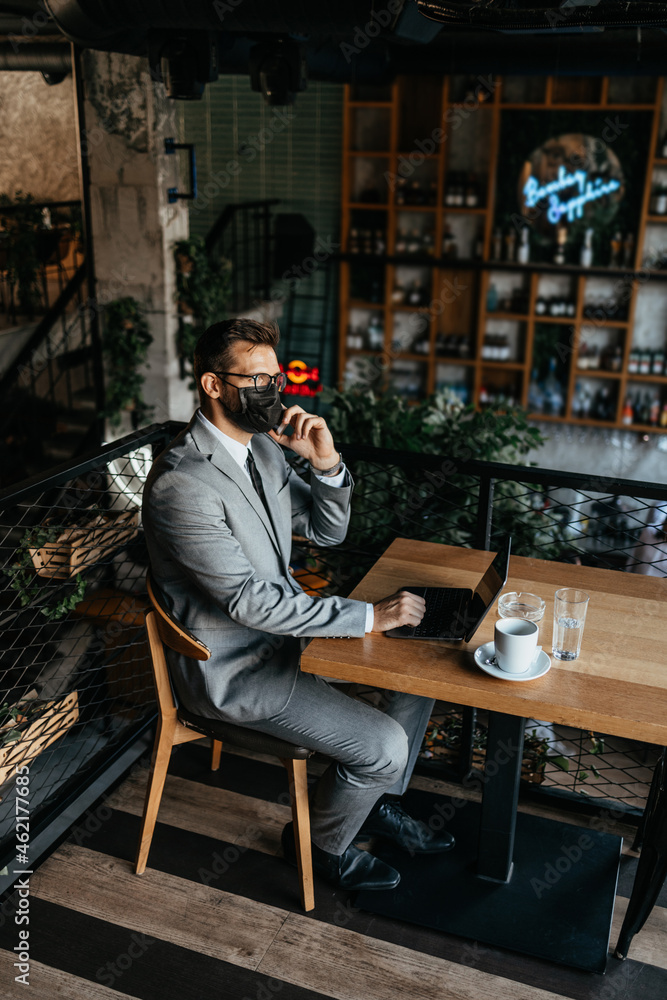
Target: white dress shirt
{"points": [[239, 453]]}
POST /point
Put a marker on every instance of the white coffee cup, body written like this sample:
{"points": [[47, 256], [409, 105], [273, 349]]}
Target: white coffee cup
{"points": [[515, 640]]}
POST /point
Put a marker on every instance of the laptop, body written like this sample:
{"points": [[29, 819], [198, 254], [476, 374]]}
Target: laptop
{"points": [[457, 612]]}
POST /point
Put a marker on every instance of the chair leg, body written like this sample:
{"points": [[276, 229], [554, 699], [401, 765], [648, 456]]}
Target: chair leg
{"points": [[164, 743], [216, 750], [298, 788]]}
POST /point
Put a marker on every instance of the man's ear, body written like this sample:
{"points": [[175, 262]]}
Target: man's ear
{"points": [[210, 385]]}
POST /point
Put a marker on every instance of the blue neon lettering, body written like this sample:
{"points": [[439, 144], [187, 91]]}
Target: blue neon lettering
{"points": [[573, 208]]}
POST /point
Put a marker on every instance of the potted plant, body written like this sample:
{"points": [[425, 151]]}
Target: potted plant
{"points": [[125, 342], [202, 295]]}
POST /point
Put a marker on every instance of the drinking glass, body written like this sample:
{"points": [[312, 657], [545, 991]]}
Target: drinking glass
{"points": [[570, 608]]}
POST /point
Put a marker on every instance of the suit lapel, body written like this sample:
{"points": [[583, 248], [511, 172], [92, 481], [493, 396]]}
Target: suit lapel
{"points": [[208, 444]]}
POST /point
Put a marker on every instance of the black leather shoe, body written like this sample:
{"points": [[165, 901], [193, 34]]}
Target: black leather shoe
{"points": [[390, 820], [353, 869]]}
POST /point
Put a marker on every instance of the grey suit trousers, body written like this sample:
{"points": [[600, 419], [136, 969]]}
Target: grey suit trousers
{"points": [[372, 751]]}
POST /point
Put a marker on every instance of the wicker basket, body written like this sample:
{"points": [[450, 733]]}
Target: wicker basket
{"points": [[83, 545], [53, 720]]}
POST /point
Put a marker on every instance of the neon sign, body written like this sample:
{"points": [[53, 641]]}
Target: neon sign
{"points": [[573, 207], [302, 380]]}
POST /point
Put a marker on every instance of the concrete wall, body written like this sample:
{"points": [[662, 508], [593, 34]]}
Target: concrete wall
{"points": [[128, 117], [38, 137]]}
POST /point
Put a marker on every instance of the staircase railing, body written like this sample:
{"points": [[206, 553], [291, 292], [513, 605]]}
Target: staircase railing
{"points": [[242, 234], [52, 393]]}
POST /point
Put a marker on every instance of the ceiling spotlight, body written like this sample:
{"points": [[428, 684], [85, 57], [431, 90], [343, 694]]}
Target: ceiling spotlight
{"points": [[278, 70], [185, 63]]}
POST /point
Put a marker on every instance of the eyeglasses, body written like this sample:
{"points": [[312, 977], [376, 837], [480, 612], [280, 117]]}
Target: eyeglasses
{"points": [[262, 381]]}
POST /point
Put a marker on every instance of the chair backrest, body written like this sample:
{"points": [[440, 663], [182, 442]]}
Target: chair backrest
{"points": [[164, 630]]}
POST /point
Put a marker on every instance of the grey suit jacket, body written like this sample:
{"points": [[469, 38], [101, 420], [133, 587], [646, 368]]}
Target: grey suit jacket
{"points": [[222, 566]]}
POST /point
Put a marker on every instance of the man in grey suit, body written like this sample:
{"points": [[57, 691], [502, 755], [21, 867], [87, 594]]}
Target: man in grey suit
{"points": [[220, 506]]}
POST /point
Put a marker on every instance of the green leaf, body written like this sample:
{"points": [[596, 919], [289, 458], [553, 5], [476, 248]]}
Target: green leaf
{"points": [[561, 762]]}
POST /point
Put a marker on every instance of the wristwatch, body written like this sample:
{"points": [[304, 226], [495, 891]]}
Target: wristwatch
{"points": [[329, 472]]}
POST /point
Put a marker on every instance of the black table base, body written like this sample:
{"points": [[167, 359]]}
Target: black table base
{"points": [[557, 904]]}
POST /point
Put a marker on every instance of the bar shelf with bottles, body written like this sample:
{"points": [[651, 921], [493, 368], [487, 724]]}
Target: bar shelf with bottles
{"points": [[489, 311]]}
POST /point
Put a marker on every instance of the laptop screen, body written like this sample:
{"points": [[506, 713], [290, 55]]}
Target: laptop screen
{"points": [[489, 587]]}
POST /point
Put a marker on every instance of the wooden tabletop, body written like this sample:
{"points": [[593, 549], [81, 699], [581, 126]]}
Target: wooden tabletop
{"points": [[618, 685]]}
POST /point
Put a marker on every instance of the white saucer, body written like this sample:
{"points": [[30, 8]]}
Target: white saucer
{"points": [[537, 668]]}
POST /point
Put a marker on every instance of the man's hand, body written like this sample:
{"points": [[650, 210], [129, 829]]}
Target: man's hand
{"points": [[311, 438], [399, 609]]}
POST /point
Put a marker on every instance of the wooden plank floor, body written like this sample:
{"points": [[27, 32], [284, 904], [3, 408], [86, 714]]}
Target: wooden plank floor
{"points": [[216, 914]]}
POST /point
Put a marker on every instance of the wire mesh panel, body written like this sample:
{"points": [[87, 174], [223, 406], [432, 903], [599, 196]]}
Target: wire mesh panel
{"points": [[75, 676]]}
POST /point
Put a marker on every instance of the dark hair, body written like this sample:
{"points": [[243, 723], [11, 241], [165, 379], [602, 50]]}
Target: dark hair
{"points": [[215, 347]]}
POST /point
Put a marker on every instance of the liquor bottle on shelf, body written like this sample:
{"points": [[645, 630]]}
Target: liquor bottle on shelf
{"points": [[497, 245], [401, 191], [663, 416], [660, 200], [353, 241], [415, 194], [633, 361], [627, 417], [628, 250], [616, 250], [541, 305], [658, 362], [645, 362], [616, 359], [510, 244], [375, 295], [492, 298], [561, 240], [416, 293], [479, 244], [380, 242], [401, 242], [398, 295], [654, 413], [523, 253], [428, 243], [472, 193], [414, 243], [449, 246], [583, 356], [433, 193], [586, 255], [553, 392], [535, 394], [355, 338], [375, 332]]}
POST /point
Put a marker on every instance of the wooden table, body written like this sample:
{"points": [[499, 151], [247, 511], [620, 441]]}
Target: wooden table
{"points": [[617, 686]]}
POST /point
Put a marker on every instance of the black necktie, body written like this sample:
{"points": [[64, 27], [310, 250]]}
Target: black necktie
{"points": [[256, 480]]}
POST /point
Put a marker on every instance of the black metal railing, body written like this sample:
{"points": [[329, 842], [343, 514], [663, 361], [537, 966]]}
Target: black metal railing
{"points": [[243, 234], [73, 658]]}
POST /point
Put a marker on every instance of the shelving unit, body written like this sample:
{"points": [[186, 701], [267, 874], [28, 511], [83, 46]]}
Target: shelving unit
{"points": [[444, 133]]}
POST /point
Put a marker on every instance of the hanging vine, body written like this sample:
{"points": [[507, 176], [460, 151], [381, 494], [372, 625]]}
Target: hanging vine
{"points": [[202, 293], [125, 343]]}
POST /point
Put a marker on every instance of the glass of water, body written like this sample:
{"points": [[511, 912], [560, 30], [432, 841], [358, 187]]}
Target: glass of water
{"points": [[570, 608]]}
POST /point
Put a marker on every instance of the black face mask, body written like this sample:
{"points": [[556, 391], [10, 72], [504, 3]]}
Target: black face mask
{"points": [[260, 411]]}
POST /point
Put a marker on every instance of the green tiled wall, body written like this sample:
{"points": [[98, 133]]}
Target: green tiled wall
{"points": [[247, 150]]}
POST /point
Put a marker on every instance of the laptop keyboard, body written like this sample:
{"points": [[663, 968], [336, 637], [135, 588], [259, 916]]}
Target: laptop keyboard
{"points": [[441, 605]]}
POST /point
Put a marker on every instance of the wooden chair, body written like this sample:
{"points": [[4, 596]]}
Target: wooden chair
{"points": [[176, 725]]}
